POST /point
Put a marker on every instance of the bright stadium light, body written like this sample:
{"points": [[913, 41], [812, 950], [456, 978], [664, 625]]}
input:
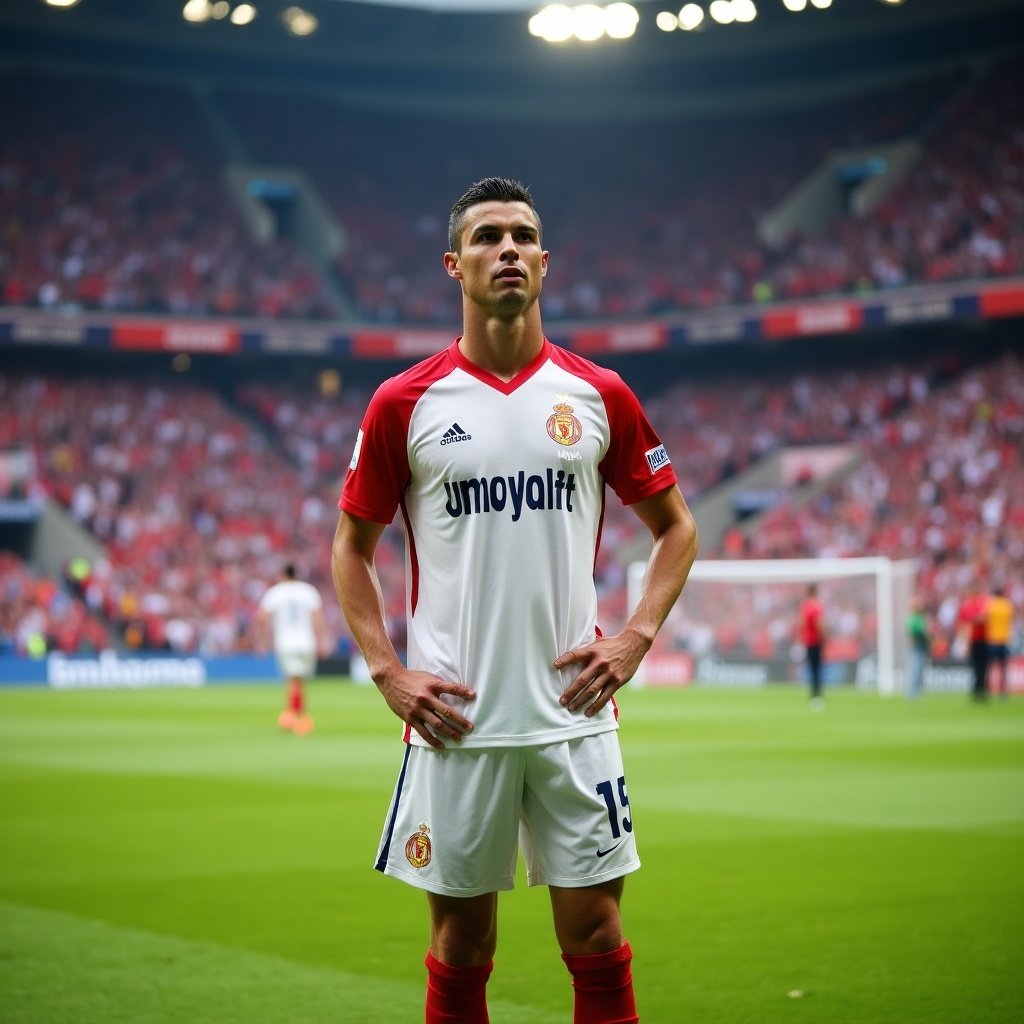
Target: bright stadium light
{"points": [[794, 5], [221, 9], [196, 11], [557, 23], [243, 14], [667, 21], [299, 22], [587, 22], [722, 12], [553, 24], [63, 4], [821, 4], [744, 10], [691, 17], [620, 20]]}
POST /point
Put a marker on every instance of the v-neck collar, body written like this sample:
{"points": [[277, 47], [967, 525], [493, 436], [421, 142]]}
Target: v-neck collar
{"points": [[492, 381]]}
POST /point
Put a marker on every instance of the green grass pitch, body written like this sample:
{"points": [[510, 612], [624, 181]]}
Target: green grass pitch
{"points": [[168, 856]]}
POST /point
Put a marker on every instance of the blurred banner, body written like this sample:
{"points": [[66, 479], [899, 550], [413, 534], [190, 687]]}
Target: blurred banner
{"points": [[811, 318]]}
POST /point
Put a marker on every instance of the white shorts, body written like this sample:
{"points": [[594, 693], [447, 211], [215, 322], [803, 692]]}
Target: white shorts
{"points": [[301, 662], [459, 817]]}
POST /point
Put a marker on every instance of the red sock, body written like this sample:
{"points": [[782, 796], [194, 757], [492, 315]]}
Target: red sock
{"points": [[456, 995], [603, 984], [295, 698]]}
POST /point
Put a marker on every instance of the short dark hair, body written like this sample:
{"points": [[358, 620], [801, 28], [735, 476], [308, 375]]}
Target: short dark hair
{"points": [[289, 570], [501, 190]]}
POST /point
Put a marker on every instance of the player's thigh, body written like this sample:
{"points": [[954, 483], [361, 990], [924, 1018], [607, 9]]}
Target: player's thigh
{"points": [[452, 827], [577, 825]]}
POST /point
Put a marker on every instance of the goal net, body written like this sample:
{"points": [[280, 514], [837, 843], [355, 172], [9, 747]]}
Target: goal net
{"points": [[735, 623]]}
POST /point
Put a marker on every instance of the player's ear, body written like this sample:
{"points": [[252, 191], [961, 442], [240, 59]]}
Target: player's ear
{"points": [[451, 264], [544, 263]]}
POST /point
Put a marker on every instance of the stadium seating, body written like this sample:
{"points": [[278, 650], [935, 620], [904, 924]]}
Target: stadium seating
{"points": [[112, 198]]}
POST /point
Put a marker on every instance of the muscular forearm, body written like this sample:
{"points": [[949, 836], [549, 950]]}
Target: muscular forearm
{"points": [[667, 568], [362, 602]]}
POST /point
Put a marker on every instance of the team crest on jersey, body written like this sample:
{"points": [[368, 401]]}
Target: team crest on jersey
{"points": [[417, 847], [562, 425]]}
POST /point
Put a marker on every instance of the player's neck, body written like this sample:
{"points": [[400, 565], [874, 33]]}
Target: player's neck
{"points": [[502, 347]]}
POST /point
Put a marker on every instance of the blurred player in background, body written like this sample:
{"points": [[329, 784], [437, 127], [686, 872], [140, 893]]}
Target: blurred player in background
{"points": [[972, 639], [811, 633], [292, 611], [498, 451], [998, 634], [919, 637]]}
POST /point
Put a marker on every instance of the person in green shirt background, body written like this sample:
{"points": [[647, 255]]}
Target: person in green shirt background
{"points": [[919, 635]]}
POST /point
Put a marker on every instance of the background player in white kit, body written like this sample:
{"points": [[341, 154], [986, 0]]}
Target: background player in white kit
{"points": [[498, 451], [292, 610]]}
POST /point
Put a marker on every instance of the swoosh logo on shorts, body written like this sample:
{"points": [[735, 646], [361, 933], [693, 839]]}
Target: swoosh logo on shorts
{"points": [[604, 853]]}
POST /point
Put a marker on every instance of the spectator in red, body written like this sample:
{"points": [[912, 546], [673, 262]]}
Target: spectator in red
{"points": [[811, 630]]}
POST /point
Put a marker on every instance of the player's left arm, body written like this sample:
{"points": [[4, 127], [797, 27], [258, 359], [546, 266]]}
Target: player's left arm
{"points": [[609, 662]]}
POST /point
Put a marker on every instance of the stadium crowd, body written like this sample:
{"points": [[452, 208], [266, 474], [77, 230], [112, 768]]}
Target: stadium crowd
{"points": [[198, 497], [194, 505], [112, 197]]}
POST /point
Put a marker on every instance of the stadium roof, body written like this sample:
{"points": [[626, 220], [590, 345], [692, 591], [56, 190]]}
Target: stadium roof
{"points": [[389, 53]]}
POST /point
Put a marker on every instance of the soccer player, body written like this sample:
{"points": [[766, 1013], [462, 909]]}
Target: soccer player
{"points": [[497, 451], [811, 630], [971, 629], [292, 610], [998, 634]]}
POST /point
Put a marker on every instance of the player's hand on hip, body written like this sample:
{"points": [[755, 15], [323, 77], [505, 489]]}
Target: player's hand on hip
{"points": [[607, 664], [416, 697]]}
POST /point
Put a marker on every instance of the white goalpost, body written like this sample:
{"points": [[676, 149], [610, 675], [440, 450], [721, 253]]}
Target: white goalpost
{"points": [[735, 622]]}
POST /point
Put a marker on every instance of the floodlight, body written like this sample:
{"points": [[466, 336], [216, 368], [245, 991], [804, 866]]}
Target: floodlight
{"points": [[620, 20], [744, 10], [554, 23], [221, 9], [196, 10], [722, 12], [299, 22], [821, 4], [63, 4], [690, 17], [243, 14], [587, 22], [667, 21], [794, 5]]}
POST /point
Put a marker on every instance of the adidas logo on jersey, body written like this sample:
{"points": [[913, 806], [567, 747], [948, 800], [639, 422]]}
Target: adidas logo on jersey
{"points": [[455, 433]]}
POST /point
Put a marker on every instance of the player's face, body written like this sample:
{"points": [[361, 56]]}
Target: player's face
{"points": [[501, 264]]}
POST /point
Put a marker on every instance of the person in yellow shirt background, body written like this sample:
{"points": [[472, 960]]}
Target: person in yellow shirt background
{"points": [[998, 634]]}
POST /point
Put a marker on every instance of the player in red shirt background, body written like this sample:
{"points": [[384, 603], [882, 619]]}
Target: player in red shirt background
{"points": [[811, 633]]}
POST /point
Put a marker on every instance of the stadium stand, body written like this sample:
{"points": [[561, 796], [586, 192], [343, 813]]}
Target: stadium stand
{"points": [[197, 496], [112, 197]]}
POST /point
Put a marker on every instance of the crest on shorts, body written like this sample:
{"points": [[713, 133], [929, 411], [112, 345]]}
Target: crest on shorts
{"points": [[562, 425], [417, 847]]}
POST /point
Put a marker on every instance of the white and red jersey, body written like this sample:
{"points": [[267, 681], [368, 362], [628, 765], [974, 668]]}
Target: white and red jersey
{"points": [[501, 488], [292, 605]]}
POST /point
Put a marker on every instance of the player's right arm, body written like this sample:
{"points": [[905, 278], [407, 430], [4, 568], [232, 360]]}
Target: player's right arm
{"points": [[414, 696]]}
